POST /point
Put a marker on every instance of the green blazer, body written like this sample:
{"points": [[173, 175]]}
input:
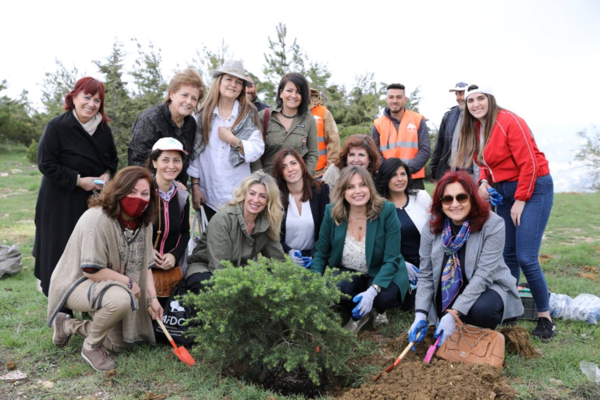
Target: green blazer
{"points": [[384, 261]]}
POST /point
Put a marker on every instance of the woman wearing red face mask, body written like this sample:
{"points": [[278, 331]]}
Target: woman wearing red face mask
{"points": [[105, 270]]}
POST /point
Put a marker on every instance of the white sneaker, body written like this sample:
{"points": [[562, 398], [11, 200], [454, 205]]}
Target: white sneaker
{"points": [[354, 326], [380, 319]]}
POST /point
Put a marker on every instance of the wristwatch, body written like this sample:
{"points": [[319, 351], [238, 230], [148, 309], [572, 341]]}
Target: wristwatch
{"points": [[377, 288], [237, 146]]}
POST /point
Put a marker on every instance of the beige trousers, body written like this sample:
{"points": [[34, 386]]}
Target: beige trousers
{"points": [[106, 326]]}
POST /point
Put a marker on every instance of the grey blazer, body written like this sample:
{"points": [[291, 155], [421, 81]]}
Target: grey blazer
{"points": [[484, 267]]}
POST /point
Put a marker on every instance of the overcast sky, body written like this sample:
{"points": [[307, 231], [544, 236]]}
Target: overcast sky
{"points": [[541, 57]]}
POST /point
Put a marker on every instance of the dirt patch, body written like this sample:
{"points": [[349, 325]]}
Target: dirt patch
{"points": [[416, 380], [518, 341]]}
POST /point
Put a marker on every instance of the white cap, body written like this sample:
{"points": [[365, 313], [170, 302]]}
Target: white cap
{"points": [[167, 144], [459, 87], [480, 89]]}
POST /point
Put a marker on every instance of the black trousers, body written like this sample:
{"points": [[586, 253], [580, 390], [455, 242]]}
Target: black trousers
{"points": [[197, 282], [386, 299], [486, 312]]}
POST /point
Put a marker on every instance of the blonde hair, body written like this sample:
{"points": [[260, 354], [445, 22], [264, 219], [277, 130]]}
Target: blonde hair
{"points": [[467, 144], [341, 209], [273, 211], [189, 77], [212, 100]]}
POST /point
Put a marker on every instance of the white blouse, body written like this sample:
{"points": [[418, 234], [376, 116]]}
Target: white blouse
{"points": [[299, 229], [354, 255]]}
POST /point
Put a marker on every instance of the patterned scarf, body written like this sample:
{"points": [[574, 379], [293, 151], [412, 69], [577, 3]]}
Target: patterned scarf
{"points": [[452, 274]]}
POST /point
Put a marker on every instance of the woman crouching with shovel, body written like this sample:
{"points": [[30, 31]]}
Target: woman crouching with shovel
{"points": [[462, 270], [105, 270]]}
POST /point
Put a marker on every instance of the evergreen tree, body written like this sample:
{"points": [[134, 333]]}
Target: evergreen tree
{"points": [[55, 87], [147, 77], [16, 122], [210, 60], [118, 105]]}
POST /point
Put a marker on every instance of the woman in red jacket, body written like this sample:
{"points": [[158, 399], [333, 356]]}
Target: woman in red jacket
{"points": [[504, 148]]}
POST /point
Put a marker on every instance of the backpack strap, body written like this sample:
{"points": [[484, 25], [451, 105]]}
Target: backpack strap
{"points": [[264, 134]]}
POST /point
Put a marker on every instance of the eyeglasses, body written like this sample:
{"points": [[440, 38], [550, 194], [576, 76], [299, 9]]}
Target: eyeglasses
{"points": [[461, 198]]}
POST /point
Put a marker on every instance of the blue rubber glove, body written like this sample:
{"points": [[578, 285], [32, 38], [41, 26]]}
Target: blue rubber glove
{"points": [[296, 257], [366, 302], [307, 262], [413, 273], [420, 324], [445, 327], [495, 198]]}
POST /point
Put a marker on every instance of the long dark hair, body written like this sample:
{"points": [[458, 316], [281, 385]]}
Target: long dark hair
{"points": [[119, 187], [386, 173], [480, 209], [308, 182]]}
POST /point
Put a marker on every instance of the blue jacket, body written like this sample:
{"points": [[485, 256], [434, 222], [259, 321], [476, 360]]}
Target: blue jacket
{"points": [[384, 261]]}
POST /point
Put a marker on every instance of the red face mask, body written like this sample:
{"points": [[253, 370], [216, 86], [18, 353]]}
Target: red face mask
{"points": [[134, 206]]}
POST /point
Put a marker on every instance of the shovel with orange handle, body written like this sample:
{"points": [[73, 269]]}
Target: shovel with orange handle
{"points": [[391, 367], [180, 352]]}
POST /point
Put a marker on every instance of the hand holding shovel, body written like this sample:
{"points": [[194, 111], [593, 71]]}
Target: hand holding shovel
{"points": [[180, 352]]}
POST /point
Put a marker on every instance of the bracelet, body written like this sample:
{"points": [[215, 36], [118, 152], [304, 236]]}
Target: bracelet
{"points": [[483, 180], [152, 298], [130, 285], [195, 184]]}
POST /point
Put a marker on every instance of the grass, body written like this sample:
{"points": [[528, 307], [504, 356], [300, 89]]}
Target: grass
{"points": [[570, 259]]}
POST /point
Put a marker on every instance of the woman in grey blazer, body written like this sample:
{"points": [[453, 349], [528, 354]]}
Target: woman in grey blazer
{"points": [[462, 267]]}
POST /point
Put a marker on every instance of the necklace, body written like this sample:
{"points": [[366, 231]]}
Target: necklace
{"points": [[356, 219], [288, 116]]}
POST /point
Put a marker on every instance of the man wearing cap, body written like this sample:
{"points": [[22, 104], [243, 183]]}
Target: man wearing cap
{"points": [[251, 90], [402, 133], [327, 133], [447, 140]]}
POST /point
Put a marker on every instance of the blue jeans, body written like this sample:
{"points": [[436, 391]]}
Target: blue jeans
{"points": [[522, 247]]}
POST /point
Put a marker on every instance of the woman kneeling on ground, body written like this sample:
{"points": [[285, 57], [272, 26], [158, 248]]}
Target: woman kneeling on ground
{"points": [[462, 268], [304, 200], [361, 233], [248, 225], [105, 270]]}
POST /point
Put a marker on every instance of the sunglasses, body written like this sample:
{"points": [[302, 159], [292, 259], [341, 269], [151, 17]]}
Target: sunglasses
{"points": [[461, 198]]}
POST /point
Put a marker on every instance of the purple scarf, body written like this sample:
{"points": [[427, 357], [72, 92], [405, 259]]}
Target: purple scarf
{"points": [[452, 279]]}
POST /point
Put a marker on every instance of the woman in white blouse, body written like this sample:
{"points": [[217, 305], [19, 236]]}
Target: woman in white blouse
{"points": [[304, 200], [227, 139], [361, 233]]}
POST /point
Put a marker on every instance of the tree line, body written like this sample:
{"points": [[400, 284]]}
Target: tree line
{"points": [[129, 91]]}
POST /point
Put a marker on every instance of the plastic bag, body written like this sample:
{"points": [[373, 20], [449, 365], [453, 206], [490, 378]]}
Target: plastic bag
{"points": [[585, 307], [590, 370], [10, 260]]}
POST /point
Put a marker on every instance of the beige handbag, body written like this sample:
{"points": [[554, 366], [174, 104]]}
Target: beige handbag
{"points": [[473, 345]]}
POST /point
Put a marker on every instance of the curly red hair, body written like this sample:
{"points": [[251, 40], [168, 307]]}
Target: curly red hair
{"points": [[362, 142], [480, 209]]}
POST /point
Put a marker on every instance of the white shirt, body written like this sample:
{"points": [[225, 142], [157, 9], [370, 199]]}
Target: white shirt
{"points": [[354, 255], [217, 177], [299, 229]]}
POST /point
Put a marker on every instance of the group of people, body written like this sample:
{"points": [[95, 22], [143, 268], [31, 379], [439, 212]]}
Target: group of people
{"points": [[275, 182]]}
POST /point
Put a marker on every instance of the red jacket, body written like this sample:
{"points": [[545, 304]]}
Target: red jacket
{"points": [[512, 154]]}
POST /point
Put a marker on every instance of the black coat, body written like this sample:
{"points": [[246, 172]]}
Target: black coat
{"points": [[443, 146], [66, 150], [156, 123], [317, 208]]}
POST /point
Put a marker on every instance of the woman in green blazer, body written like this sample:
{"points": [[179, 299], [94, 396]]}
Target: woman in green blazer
{"points": [[361, 233]]}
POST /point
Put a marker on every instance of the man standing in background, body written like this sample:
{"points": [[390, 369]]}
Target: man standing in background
{"points": [[251, 94], [327, 133], [403, 134], [448, 135]]}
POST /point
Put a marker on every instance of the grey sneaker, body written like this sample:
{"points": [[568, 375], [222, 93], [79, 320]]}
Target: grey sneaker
{"points": [[380, 319], [98, 357], [354, 326], [59, 336]]}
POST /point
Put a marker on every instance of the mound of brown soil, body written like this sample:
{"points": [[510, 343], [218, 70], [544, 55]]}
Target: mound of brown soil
{"points": [[416, 380], [517, 341]]}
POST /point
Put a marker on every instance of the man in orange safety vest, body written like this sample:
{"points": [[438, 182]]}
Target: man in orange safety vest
{"points": [[327, 133], [402, 133]]}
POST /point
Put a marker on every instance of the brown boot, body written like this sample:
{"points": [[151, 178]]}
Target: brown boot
{"points": [[59, 335], [97, 356]]}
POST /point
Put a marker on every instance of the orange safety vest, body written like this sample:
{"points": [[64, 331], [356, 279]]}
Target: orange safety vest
{"points": [[319, 113], [402, 143]]}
